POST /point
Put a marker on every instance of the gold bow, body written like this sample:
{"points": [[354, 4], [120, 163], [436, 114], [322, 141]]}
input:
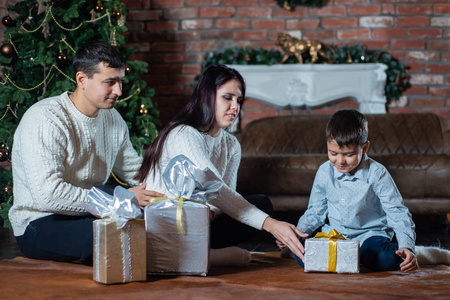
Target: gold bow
{"points": [[181, 201], [332, 236]]}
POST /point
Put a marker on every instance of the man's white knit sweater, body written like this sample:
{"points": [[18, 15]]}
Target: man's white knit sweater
{"points": [[221, 155], [59, 154]]}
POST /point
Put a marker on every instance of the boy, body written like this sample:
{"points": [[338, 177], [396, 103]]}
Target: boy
{"points": [[358, 198]]}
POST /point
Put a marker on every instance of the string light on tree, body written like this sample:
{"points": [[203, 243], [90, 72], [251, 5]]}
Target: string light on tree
{"points": [[61, 58], [4, 152], [7, 188], [116, 13], [143, 110], [98, 7]]}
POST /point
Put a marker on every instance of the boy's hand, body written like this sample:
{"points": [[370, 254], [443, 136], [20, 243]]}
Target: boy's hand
{"points": [[409, 260]]}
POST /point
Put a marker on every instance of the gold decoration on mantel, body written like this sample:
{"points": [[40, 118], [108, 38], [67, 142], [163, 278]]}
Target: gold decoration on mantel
{"points": [[286, 5], [349, 57], [295, 47]]}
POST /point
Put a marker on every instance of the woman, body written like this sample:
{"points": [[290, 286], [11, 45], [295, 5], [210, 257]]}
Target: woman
{"points": [[198, 133]]}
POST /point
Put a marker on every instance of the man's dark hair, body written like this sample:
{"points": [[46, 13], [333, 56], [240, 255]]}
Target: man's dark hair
{"points": [[347, 127], [91, 54]]}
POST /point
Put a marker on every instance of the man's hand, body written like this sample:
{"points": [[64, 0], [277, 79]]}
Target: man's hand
{"points": [[286, 234], [143, 196], [409, 260]]}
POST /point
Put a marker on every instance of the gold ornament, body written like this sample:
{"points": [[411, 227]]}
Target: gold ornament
{"points": [[295, 47], [127, 70]]}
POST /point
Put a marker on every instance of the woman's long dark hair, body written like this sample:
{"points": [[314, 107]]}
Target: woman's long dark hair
{"points": [[199, 113]]}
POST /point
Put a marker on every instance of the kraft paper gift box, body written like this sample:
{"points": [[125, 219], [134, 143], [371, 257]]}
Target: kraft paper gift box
{"points": [[322, 256], [119, 254], [169, 251], [178, 228]]}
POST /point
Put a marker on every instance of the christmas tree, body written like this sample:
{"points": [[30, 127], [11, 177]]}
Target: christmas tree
{"points": [[40, 40]]}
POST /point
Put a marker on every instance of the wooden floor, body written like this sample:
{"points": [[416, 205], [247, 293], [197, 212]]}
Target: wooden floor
{"points": [[269, 276]]}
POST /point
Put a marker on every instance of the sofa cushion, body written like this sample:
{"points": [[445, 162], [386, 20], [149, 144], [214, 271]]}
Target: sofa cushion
{"points": [[278, 175], [407, 134]]}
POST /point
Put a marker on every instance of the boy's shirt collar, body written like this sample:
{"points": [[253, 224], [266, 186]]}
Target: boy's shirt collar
{"points": [[360, 173]]}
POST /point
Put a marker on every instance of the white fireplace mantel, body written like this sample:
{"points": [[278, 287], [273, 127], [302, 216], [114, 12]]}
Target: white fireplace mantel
{"points": [[316, 84]]}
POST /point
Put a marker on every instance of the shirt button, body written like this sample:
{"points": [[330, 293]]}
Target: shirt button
{"points": [[342, 200], [343, 220]]}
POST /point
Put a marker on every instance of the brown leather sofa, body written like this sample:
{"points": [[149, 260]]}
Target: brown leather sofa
{"points": [[281, 155]]}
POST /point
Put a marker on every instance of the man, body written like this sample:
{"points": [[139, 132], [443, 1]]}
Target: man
{"points": [[64, 146]]}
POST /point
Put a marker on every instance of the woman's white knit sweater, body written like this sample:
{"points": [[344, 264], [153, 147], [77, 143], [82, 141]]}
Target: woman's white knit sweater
{"points": [[59, 154], [220, 154]]}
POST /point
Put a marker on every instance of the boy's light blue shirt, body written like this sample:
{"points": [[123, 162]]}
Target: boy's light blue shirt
{"points": [[359, 206]]}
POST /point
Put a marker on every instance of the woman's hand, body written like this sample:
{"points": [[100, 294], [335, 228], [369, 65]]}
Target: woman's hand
{"points": [[409, 260], [280, 244], [286, 234], [143, 196]]}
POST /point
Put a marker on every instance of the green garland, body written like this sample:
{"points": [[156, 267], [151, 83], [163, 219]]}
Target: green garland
{"points": [[396, 82], [290, 4]]}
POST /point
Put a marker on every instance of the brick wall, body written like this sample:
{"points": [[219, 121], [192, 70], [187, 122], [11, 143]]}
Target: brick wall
{"points": [[174, 35]]}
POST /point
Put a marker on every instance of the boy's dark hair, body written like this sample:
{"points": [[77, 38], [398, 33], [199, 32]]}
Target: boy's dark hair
{"points": [[347, 127], [91, 54]]}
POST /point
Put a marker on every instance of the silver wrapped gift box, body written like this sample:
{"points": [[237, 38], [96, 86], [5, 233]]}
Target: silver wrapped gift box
{"points": [[178, 227], [168, 251], [317, 256]]}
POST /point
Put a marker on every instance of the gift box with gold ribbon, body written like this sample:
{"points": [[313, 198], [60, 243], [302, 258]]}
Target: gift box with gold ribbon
{"points": [[177, 242], [331, 253], [178, 226]]}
